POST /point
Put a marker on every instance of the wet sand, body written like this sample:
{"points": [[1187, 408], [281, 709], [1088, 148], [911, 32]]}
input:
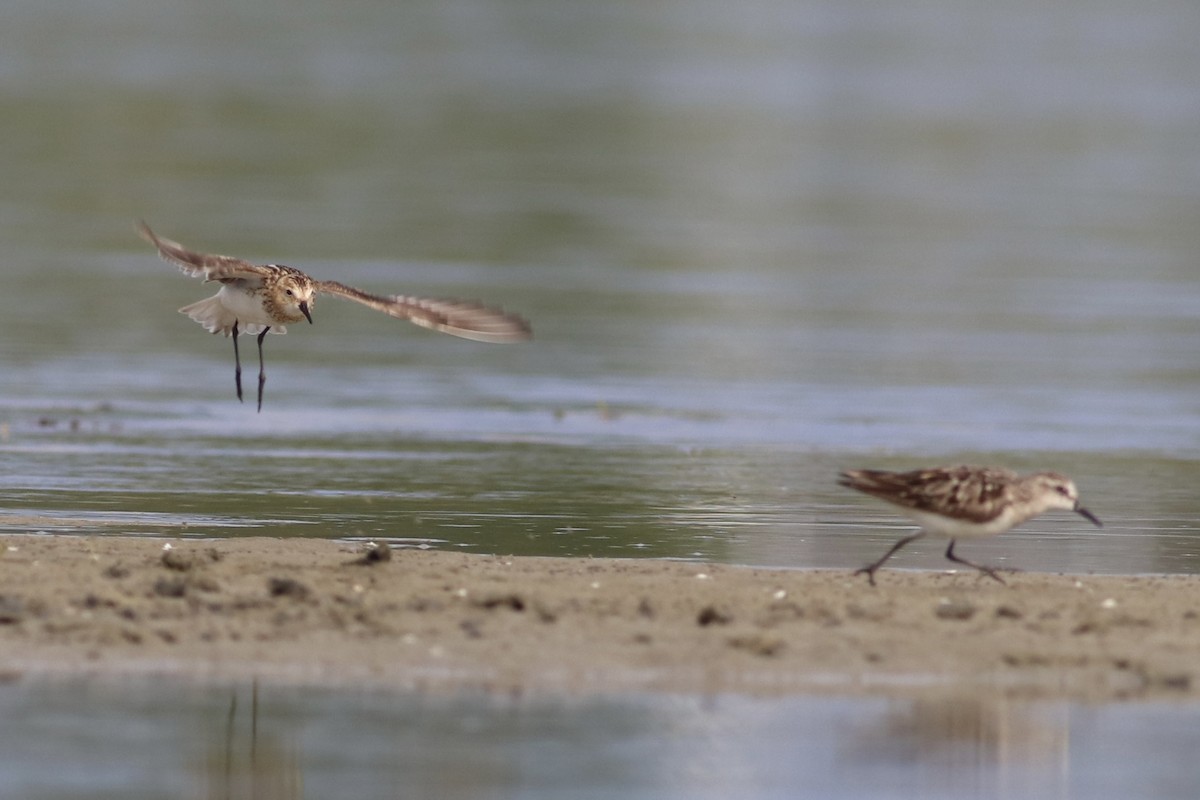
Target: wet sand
{"points": [[306, 611]]}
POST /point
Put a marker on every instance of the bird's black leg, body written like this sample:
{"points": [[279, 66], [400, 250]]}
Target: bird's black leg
{"points": [[870, 569], [262, 375], [991, 573], [237, 360]]}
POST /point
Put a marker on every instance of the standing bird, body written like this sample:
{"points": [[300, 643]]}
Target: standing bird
{"points": [[964, 503], [262, 298]]}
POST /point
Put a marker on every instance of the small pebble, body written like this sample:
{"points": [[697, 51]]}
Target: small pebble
{"points": [[709, 615], [955, 609], [287, 587], [375, 553]]}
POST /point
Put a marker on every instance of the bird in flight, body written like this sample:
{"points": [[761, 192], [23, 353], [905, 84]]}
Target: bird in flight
{"points": [[264, 298]]}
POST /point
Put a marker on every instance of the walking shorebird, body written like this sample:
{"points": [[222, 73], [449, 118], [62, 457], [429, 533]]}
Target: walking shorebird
{"points": [[263, 298], [964, 503]]}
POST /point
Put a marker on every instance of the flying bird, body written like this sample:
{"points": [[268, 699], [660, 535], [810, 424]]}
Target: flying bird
{"points": [[265, 298]]}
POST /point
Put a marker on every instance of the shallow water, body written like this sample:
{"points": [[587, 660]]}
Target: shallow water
{"points": [[703, 433], [283, 743], [758, 244]]}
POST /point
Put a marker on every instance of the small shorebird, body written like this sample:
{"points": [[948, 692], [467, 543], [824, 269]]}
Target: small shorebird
{"points": [[262, 298], [964, 503]]}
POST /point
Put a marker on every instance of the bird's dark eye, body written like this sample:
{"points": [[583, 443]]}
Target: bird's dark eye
{"points": [[289, 291], [1062, 490]]}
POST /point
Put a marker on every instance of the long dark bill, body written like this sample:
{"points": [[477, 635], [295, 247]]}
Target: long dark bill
{"points": [[1089, 516]]}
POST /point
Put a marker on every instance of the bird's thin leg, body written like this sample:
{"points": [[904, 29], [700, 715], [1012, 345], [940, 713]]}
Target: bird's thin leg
{"points": [[262, 375], [991, 573], [237, 361], [870, 569]]}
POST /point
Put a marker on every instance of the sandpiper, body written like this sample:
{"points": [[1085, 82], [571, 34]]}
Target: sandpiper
{"points": [[964, 502], [263, 298]]}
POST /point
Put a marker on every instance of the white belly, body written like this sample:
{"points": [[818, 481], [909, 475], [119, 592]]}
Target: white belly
{"points": [[248, 309], [937, 525]]}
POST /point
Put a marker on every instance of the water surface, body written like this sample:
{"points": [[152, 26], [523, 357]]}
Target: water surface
{"points": [[758, 243], [283, 743]]}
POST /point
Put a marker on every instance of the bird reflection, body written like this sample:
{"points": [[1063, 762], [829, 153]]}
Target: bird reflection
{"points": [[249, 765], [963, 742]]}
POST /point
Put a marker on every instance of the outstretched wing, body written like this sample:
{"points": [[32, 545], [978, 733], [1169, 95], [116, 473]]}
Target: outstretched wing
{"points": [[464, 318], [202, 265], [962, 492]]}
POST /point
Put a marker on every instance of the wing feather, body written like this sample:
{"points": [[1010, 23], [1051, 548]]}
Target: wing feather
{"points": [[208, 266], [463, 318], [968, 493]]}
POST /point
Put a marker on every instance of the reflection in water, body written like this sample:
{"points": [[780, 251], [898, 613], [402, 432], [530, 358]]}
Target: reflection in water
{"points": [[975, 744], [245, 763], [140, 740]]}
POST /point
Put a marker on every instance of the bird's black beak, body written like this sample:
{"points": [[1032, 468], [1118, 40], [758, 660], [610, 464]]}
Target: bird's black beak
{"points": [[1083, 512], [304, 310]]}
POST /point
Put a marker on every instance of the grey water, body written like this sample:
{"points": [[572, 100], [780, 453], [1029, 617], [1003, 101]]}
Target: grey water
{"points": [[758, 242], [241, 741]]}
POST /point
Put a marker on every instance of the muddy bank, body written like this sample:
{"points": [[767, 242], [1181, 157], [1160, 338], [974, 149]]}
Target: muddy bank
{"points": [[311, 611]]}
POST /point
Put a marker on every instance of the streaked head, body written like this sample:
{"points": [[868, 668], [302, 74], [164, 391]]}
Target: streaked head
{"points": [[295, 296], [1058, 491]]}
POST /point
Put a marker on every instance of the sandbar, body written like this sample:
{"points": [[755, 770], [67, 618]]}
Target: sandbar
{"points": [[333, 613]]}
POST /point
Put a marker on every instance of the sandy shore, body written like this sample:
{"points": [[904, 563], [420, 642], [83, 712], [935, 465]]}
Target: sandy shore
{"points": [[308, 611]]}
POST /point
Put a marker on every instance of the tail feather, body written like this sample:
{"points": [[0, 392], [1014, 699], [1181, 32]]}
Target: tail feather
{"points": [[216, 318], [864, 480]]}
